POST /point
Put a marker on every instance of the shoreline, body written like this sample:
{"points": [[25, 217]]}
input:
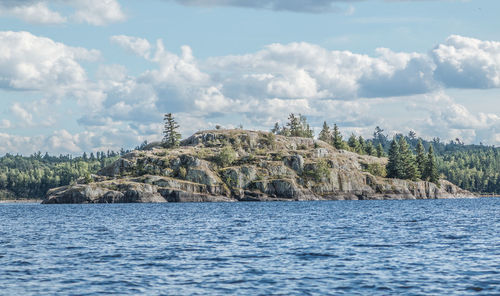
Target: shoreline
{"points": [[6, 201]]}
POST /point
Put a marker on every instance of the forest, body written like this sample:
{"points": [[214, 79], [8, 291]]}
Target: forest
{"points": [[31, 176], [472, 167]]}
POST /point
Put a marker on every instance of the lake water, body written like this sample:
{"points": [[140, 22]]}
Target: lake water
{"points": [[420, 247]]}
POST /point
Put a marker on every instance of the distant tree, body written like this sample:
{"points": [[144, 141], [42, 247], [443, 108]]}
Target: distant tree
{"points": [[361, 145], [380, 150], [369, 149], [421, 159], [353, 143], [378, 132], [305, 129], [171, 137], [276, 129], [297, 126], [412, 135], [337, 137], [293, 125], [431, 171], [409, 166], [325, 134], [394, 166]]}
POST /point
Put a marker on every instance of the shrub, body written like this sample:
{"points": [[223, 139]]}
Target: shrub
{"points": [[226, 156], [182, 172], [319, 171], [268, 140], [375, 169]]}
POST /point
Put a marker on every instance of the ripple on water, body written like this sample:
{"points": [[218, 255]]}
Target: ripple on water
{"points": [[306, 248]]}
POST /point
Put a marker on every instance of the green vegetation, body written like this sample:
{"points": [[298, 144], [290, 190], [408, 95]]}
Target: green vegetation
{"points": [[171, 137], [375, 169], [31, 177], [318, 171], [226, 157], [296, 126], [472, 167], [402, 163]]}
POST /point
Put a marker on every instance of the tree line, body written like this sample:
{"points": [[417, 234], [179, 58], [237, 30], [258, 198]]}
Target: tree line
{"points": [[472, 167], [32, 176]]}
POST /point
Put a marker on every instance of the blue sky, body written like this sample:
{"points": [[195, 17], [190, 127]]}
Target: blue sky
{"points": [[94, 75]]}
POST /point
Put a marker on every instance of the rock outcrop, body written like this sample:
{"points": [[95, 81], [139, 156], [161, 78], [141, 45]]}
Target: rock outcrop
{"points": [[263, 167]]}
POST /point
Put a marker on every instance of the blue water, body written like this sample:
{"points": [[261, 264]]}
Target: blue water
{"points": [[292, 248]]}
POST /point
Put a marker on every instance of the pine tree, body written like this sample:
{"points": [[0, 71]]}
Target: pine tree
{"points": [[304, 129], [337, 137], [361, 145], [325, 134], [394, 168], [431, 172], [408, 163], [353, 143], [380, 150], [421, 158], [171, 136], [297, 126], [276, 129], [369, 149], [293, 125]]}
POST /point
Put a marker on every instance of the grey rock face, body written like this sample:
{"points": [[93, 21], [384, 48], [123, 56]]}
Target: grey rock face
{"points": [[295, 162], [270, 168]]}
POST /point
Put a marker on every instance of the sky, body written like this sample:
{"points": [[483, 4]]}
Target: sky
{"points": [[97, 75]]}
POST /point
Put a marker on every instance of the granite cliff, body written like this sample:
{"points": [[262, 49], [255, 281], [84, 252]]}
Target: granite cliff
{"points": [[240, 165]]}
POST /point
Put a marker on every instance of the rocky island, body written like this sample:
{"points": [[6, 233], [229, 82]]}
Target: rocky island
{"points": [[241, 165]]}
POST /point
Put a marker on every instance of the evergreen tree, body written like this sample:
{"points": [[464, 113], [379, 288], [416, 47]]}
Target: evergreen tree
{"points": [[369, 149], [297, 126], [171, 137], [394, 166], [353, 143], [408, 163], [325, 134], [337, 137], [276, 129], [293, 125], [361, 145], [305, 129], [380, 150], [421, 158], [431, 171]]}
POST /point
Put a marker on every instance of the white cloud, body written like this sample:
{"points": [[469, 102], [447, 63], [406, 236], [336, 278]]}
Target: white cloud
{"points": [[29, 62], [298, 70], [98, 12], [257, 89], [94, 12], [447, 119], [304, 6], [135, 45], [22, 114], [263, 87], [37, 13], [5, 123], [467, 62]]}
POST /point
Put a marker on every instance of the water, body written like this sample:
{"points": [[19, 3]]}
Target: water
{"points": [[298, 248]]}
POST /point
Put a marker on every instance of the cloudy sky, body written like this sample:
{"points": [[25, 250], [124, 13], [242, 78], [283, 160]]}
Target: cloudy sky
{"points": [[88, 75]]}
